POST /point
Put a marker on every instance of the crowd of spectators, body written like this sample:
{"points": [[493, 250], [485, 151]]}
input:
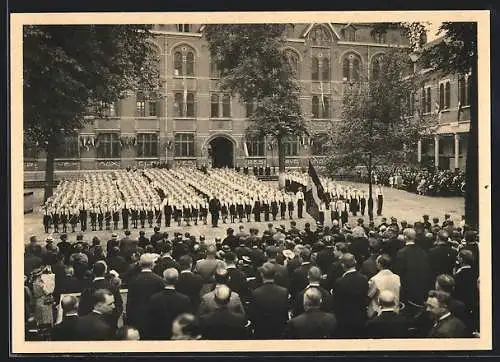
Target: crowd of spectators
{"points": [[391, 280]]}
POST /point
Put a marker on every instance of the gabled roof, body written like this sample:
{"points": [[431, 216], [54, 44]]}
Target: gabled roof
{"points": [[308, 29]]}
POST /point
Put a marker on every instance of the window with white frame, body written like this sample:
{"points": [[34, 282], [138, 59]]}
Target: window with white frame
{"points": [[464, 90], [184, 104], [291, 146], [255, 146], [184, 145], [184, 61], [351, 67], [220, 105], [109, 145], [147, 145], [444, 95]]}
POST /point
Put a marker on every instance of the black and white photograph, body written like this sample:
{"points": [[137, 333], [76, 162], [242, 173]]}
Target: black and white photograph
{"points": [[310, 181]]}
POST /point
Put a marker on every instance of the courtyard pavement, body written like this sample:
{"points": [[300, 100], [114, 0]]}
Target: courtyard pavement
{"points": [[398, 203]]}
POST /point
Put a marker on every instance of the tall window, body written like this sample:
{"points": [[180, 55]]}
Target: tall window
{"points": [[444, 95], [220, 106], [184, 61], [325, 69], [321, 107], [214, 69], [464, 90], [184, 104], [109, 146], [409, 103], [184, 28], [377, 66], [140, 106], [426, 100], [255, 146], [319, 144], [108, 109], [69, 148], [315, 68], [293, 60], [320, 36], [184, 145], [291, 146], [351, 65], [249, 109], [147, 145], [152, 105]]}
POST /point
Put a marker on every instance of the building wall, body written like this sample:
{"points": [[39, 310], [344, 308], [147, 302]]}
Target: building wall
{"points": [[166, 124]]}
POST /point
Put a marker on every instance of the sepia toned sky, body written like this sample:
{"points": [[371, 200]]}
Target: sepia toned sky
{"points": [[432, 31]]}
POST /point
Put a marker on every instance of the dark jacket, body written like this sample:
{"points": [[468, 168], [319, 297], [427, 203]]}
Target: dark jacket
{"points": [[92, 327], [387, 324], [65, 331], [449, 327], [269, 310], [237, 282], [442, 259], [190, 284], [313, 324], [413, 267], [222, 324], [140, 291], [350, 300], [299, 280], [326, 301], [164, 307]]}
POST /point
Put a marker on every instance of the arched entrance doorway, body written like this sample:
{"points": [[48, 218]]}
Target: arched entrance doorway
{"points": [[221, 152]]}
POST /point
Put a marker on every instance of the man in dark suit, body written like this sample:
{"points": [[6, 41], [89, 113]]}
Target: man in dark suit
{"points": [[165, 306], [222, 323], [446, 283], [128, 245], [94, 326], [189, 283], [281, 276], [269, 308], [446, 324], [335, 270], [67, 283], [314, 277], [214, 206], [413, 267], [442, 257], [64, 331], [313, 323], [466, 289], [298, 280], [236, 279], [350, 299], [100, 282], [388, 323], [140, 291]]}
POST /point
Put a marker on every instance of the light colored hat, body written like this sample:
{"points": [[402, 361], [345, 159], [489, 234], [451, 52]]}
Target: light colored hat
{"points": [[288, 254]]}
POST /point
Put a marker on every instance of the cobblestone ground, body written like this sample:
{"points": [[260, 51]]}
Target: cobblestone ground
{"points": [[397, 203]]}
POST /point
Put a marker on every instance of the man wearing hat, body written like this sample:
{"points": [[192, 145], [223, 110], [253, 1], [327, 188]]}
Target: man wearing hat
{"points": [[113, 242], [427, 224], [64, 246]]}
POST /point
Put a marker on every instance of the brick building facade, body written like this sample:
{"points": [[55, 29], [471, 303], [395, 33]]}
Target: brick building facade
{"points": [[190, 122]]}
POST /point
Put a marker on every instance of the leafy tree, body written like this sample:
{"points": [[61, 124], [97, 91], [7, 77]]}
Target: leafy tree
{"points": [[378, 127], [253, 64], [69, 69], [456, 54]]}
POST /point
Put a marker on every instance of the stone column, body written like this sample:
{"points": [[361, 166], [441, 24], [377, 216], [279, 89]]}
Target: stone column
{"points": [[436, 151], [457, 149]]}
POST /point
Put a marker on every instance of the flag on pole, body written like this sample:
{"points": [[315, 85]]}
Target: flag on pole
{"points": [[438, 110], [314, 192]]}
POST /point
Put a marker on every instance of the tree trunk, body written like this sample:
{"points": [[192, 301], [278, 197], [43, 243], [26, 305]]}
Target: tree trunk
{"points": [[49, 172], [471, 165], [281, 155]]}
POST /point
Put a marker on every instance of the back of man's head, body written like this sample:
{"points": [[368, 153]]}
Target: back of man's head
{"points": [[409, 234], [222, 295], [305, 254], [443, 236], [220, 275], [312, 299], [445, 283], [348, 261], [146, 261], [268, 271], [384, 261], [466, 256], [171, 276], [230, 257], [314, 275], [185, 262], [69, 304], [127, 333], [100, 268]]}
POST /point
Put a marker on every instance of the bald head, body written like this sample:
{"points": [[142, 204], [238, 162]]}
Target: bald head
{"points": [[312, 299], [69, 304], [409, 234], [314, 275], [387, 299], [171, 275], [222, 295], [348, 261]]}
